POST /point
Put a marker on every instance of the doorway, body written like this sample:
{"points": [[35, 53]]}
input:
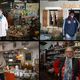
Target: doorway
{"points": [[77, 14]]}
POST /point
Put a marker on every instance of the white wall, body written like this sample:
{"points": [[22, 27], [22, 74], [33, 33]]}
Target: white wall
{"points": [[44, 4], [9, 46], [33, 47], [35, 53]]}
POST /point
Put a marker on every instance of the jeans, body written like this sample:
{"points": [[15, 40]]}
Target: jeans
{"points": [[67, 37]]}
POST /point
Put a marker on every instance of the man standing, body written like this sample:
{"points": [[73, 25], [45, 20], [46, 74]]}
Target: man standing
{"points": [[67, 68], [70, 27], [3, 26], [2, 65]]}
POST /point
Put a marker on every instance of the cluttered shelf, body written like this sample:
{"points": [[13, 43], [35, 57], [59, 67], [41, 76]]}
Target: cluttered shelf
{"points": [[23, 20]]}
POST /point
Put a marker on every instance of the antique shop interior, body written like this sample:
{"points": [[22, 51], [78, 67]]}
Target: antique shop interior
{"points": [[52, 50], [22, 60], [23, 19]]}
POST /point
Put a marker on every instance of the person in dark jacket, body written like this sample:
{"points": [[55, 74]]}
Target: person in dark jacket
{"points": [[67, 68], [70, 27]]}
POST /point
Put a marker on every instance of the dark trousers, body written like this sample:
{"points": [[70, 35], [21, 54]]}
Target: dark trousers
{"points": [[2, 38], [2, 76]]}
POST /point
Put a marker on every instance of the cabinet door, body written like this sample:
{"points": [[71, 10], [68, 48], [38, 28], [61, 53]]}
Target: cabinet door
{"points": [[45, 18]]}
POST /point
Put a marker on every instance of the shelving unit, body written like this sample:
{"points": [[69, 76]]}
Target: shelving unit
{"points": [[52, 54], [10, 58], [49, 55]]}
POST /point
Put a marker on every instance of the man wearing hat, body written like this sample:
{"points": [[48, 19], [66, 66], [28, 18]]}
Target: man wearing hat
{"points": [[70, 27]]}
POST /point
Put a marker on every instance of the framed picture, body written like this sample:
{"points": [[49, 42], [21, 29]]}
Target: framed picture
{"points": [[19, 5], [32, 8], [28, 56]]}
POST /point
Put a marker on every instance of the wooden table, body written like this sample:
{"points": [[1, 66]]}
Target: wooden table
{"points": [[9, 76]]}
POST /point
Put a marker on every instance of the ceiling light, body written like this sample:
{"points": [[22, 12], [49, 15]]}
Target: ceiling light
{"points": [[10, 60], [25, 48]]}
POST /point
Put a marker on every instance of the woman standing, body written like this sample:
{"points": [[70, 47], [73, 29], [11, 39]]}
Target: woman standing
{"points": [[3, 26]]}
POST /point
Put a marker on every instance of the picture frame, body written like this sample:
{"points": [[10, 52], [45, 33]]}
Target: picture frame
{"points": [[19, 5], [28, 56]]}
